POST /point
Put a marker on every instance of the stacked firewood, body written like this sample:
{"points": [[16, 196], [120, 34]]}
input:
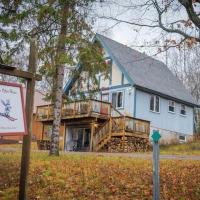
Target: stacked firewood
{"points": [[130, 144]]}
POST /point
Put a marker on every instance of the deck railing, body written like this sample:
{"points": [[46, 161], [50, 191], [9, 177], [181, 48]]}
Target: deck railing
{"points": [[130, 125], [75, 109], [121, 126]]}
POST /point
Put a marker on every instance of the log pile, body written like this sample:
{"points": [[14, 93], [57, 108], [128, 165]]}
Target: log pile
{"points": [[130, 144]]}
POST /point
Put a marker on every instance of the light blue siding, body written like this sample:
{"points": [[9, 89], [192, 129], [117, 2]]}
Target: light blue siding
{"points": [[164, 120], [128, 98]]}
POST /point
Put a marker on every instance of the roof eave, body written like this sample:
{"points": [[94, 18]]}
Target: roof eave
{"points": [[165, 96]]}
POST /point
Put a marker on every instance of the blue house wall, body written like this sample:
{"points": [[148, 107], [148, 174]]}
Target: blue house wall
{"points": [[174, 122]]}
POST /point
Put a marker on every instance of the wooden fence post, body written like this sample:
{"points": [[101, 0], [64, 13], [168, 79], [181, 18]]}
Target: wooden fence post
{"points": [[29, 114]]}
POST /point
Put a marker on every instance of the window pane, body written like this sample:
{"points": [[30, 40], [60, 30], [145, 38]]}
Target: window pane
{"points": [[171, 106], [152, 103], [114, 96], [183, 110], [157, 104], [119, 99]]}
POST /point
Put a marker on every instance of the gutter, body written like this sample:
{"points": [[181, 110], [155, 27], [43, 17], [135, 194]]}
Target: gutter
{"points": [[166, 96]]}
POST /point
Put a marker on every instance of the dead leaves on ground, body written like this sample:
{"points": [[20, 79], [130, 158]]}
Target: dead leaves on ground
{"points": [[98, 178]]}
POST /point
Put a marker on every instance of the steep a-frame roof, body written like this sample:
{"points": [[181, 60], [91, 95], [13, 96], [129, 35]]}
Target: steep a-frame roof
{"points": [[145, 72]]}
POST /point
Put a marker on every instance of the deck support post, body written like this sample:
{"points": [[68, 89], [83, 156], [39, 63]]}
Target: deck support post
{"points": [[123, 137], [91, 136], [83, 141], [64, 136]]}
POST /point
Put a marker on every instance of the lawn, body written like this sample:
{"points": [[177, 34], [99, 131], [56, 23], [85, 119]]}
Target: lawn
{"points": [[90, 177], [192, 148]]}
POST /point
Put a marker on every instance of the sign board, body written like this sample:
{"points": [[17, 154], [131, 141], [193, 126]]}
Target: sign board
{"points": [[12, 114]]}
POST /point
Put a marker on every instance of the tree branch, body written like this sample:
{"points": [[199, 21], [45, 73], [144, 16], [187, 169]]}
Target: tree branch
{"points": [[190, 11], [128, 22], [170, 30]]}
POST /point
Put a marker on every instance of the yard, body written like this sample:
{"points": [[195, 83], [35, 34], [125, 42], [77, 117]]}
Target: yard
{"points": [[94, 177]]}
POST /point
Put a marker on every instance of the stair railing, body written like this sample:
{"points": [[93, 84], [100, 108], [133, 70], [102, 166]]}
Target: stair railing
{"points": [[102, 133]]}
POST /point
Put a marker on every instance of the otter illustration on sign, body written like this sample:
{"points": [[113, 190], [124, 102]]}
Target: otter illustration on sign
{"points": [[7, 109]]}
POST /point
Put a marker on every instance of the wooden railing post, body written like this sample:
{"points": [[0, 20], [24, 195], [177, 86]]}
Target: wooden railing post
{"points": [[74, 109], [90, 107], [48, 112], [110, 127]]}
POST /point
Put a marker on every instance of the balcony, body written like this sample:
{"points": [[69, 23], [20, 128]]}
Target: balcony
{"points": [[77, 109]]}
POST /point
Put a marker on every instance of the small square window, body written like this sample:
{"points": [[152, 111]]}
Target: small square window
{"points": [[182, 138], [171, 106], [183, 110]]}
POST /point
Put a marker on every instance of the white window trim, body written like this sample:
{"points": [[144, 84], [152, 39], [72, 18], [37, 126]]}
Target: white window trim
{"points": [[183, 115], [182, 141], [172, 112], [154, 111], [122, 107]]}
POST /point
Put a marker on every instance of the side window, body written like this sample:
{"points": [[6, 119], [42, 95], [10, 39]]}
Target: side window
{"points": [[120, 100], [152, 103], [183, 109], [155, 103], [114, 98], [117, 99], [171, 106]]}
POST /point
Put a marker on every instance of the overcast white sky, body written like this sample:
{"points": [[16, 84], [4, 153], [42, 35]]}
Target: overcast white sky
{"points": [[130, 35]]}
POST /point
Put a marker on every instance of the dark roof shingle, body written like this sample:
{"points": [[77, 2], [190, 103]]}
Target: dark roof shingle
{"points": [[146, 71]]}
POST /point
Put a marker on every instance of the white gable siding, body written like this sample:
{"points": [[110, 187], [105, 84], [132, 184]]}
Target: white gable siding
{"points": [[164, 120], [116, 75], [104, 83]]}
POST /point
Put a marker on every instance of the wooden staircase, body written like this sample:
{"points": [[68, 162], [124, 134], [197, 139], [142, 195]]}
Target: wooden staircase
{"points": [[123, 127]]}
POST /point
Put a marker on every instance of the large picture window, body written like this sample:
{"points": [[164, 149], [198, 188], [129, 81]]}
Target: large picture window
{"points": [[155, 103], [117, 99]]}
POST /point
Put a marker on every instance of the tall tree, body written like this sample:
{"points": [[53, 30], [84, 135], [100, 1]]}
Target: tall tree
{"points": [[64, 37]]}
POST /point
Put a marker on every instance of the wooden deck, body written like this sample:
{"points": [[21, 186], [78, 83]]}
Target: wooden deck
{"points": [[104, 121], [77, 109]]}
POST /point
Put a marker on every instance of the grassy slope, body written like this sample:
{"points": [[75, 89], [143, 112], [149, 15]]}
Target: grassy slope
{"points": [[95, 178], [181, 149]]}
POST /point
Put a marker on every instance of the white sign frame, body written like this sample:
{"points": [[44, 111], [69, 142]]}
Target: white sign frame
{"points": [[12, 112]]}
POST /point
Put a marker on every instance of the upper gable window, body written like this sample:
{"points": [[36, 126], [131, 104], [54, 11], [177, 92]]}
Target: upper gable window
{"points": [[171, 106], [183, 109], [117, 99], [155, 103]]}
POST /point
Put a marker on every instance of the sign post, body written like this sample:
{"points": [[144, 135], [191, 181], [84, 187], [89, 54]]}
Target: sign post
{"points": [[156, 185], [30, 76], [26, 147]]}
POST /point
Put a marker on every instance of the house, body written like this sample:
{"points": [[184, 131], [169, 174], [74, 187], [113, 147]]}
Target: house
{"points": [[140, 89]]}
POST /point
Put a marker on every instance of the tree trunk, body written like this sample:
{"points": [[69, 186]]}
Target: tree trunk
{"points": [[59, 76]]}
